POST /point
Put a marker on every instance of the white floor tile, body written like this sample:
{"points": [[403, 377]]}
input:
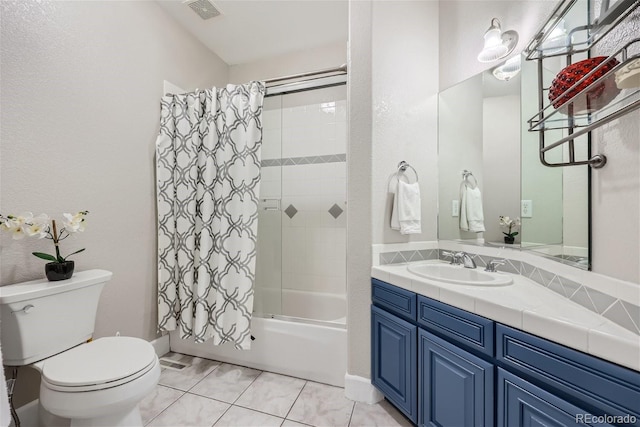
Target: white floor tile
{"points": [[226, 383], [159, 400], [381, 414], [191, 411], [237, 416], [322, 405], [272, 393]]}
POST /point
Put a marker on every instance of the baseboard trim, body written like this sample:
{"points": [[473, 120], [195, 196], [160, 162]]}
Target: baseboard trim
{"points": [[161, 345], [360, 389]]}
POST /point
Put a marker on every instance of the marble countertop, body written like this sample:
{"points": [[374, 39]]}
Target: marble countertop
{"points": [[530, 307]]}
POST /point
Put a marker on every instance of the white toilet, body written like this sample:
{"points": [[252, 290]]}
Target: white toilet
{"points": [[98, 383]]}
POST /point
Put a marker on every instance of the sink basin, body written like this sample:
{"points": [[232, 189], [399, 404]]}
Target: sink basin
{"points": [[459, 275]]}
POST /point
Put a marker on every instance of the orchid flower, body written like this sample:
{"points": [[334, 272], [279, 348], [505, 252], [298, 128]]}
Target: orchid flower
{"points": [[42, 226]]}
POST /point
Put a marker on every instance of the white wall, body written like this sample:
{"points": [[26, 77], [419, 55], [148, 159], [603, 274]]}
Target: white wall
{"points": [[398, 112], [616, 187], [81, 86]]}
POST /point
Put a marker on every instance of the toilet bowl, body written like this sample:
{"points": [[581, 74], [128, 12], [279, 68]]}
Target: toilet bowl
{"points": [[99, 383], [46, 325]]}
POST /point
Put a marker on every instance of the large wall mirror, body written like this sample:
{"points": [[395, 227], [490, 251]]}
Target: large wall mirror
{"points": [[482, 130]]}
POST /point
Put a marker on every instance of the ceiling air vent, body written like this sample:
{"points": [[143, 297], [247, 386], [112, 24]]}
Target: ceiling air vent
{"points": [[204, 8]]}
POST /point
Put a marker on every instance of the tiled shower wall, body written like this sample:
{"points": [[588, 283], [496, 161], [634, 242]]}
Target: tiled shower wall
{"points": [[304, 167]]}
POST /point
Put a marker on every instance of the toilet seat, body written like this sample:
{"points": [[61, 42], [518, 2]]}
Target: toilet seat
{"points": [[101, 364]]}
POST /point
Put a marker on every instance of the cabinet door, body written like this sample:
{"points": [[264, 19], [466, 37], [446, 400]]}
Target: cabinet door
{"points": [[455, 387], [393, 360], [522, 404]]}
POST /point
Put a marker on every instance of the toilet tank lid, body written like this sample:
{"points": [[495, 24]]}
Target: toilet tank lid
{"points": [[42, 287]]}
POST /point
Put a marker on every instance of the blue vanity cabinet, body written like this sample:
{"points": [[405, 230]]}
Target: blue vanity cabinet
{"points": [[393, 361], [521, 403], [455, 387], [446, 367]]}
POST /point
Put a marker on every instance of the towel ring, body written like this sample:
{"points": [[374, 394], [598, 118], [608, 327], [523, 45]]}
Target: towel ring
{"points": [[402, 167], [465, 177]]}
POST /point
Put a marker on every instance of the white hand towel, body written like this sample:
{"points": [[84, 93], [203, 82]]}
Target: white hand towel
{"points": [[409, 209], [471, 212], [395, 223]]}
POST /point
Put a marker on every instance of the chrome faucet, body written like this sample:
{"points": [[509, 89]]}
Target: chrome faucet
{"points": [[491, 267], [467, 260], [460, 258]]}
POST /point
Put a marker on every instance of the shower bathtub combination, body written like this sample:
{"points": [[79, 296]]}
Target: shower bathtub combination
{"points": [[300, 306]]}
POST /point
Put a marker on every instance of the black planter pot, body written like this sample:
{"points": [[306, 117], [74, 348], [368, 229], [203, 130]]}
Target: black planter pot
{"points": [[59, 270], [509, 239]]}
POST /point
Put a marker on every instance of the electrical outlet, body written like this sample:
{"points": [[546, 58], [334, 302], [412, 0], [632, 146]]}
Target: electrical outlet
{"points": [[526, 208], [455, 208]]}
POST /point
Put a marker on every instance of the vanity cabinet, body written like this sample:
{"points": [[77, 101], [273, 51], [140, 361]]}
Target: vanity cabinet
{"points": [[455, 387], [443, 366], [393, 363]]}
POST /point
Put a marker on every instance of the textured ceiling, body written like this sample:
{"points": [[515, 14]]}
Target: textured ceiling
{"points": [[250, 30]]}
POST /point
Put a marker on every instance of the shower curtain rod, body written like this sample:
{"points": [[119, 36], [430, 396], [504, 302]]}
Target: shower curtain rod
{"points": [[340, 70]]}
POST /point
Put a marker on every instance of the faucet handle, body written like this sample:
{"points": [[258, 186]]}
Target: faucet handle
{"points": [[451, 255], [491, 267]]}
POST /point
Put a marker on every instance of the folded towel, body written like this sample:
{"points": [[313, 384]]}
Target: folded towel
{"points": [[471, 216], [406, 213], [395, 222]]}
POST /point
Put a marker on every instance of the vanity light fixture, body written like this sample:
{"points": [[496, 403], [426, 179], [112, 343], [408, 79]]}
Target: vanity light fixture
{"points": [[497, 44], [508, 70]]}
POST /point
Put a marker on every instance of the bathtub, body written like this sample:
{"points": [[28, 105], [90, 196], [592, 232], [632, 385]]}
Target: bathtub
{"points": [[287, 344]]}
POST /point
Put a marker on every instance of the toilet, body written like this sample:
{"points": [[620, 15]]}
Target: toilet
{"points": [[84, 382]]}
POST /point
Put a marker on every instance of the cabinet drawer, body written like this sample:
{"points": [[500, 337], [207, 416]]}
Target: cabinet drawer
{"points": [[610, 388], [393, 299], [521, 403], [465, 328]]}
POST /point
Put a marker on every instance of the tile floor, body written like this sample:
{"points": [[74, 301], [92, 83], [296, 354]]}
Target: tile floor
{"points": [[210, 393]]}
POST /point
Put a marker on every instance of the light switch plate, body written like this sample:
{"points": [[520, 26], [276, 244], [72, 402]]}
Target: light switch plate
{"points": [[526, 208], [455, 208]]}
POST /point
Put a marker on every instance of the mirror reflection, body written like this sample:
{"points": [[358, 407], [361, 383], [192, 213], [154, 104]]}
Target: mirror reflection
{"points": [[482, 130]]}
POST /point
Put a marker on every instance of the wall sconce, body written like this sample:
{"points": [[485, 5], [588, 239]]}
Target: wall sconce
{"points": [[508, 70], [497, 44]]}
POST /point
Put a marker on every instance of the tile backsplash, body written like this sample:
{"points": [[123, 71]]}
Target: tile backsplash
{"points": [[621, 312]]}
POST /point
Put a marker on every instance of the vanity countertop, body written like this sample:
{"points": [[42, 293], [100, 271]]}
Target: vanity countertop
{"points": [[530, 307]]}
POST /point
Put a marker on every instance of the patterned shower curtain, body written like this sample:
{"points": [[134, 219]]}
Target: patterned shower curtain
{"points": [[208, 181]]}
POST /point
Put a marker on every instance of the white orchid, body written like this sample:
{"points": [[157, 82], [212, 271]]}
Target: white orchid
{"points": [[75, 222], [505, 221], [26, 224]]}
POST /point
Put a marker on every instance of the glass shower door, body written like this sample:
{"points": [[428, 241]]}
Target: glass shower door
{"points": [[268, 286]]}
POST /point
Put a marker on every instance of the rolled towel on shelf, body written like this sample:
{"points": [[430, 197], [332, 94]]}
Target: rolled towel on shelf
{"points": [[471, 212]]}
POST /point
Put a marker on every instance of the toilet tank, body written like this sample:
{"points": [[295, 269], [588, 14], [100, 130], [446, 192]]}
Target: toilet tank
{"points": [[40, 318]]}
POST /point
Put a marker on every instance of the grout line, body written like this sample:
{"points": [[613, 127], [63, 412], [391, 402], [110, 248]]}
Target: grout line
{"points": [[249, 385], [353, 408], [295, 400], [167, 407]]}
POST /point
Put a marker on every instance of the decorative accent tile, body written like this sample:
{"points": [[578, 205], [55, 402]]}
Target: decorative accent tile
{"points": [[582, 297], [537, 277], [634, 312], [527, 269], [601, 300], [335, 210], [570, 287], [511, 266], [291, 211], [618, 314], [547, 276], [556, 286], [429, 254], [307, 160], [386, 258]]}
